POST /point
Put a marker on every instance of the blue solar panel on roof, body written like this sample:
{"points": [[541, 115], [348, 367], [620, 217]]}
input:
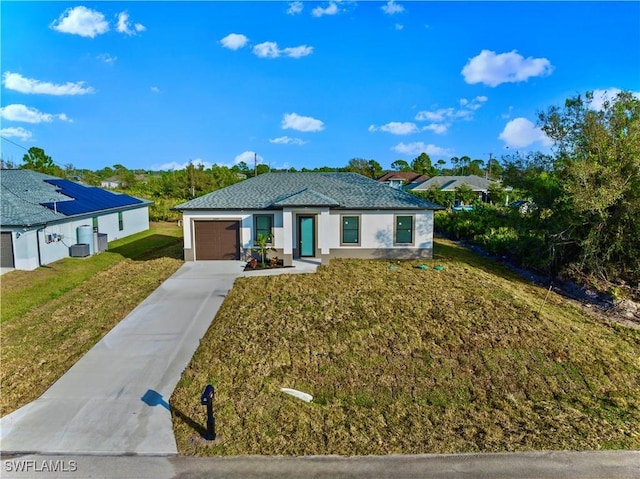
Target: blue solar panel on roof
{"points": [[87, 199]]}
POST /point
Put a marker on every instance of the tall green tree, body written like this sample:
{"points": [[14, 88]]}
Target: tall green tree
{"points": [[422, 165], [370, 169], [375, 169], [37, 160], [598, 161], [400, 165], [476, 167]]}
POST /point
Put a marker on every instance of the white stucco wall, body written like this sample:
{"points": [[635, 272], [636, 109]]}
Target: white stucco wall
{"points": [[376, 228], [134, 221], [27, 242]]}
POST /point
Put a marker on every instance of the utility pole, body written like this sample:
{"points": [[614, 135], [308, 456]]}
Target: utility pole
{"points": [[489, 167], [255, 164]]}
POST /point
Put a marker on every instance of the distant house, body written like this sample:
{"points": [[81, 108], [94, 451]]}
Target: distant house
{"points": [[111, 183], [44, 218], [450, 183], [402, 179], [316, 215]]}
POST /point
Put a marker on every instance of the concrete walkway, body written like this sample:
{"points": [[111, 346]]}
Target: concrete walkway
{"points": [[114, 400]]}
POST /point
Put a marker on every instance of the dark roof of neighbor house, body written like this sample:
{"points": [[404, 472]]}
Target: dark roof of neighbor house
{"points": [[335, 190], [407, 176], [30, 198], [450, 183]]}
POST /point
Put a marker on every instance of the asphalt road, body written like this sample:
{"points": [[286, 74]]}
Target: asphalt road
{"points": [[542, 465]]}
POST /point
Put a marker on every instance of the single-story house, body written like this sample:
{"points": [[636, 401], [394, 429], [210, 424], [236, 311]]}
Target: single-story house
{"points": [[111, 183], [308, 215], [44, 218], [402, 179], [449, 183]]}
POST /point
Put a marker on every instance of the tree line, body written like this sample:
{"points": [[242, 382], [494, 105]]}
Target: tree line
{"points": [[582, 215], [583, 199]]}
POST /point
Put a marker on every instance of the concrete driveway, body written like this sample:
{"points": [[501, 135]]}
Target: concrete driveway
{"points": [[114, 400]]}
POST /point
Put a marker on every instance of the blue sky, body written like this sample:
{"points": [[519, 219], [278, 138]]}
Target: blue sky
{"points": [[154, 85]]}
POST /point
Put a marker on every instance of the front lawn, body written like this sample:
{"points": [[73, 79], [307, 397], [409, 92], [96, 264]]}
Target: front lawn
{"points": [[404, 360], [55, 314]]}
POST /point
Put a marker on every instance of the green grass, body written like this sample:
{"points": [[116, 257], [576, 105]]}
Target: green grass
{"points": [[23, 291], [405, 360], [53, 315]]}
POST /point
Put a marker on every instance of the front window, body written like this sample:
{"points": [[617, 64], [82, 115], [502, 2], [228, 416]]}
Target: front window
{"points": [[120, 221], [350, 230], [263, 224], [404, 230]]}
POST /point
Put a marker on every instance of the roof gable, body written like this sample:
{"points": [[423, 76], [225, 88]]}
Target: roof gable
{"points": [[306, 197], [450, 183], [408, 176]]}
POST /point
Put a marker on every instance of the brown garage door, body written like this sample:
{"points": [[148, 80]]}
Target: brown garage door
{"points": [[6, 251], [217, 240]]}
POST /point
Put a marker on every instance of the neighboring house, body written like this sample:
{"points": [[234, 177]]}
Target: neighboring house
{"points": [[111, 183], [402, 179], [44, 218], [319, 215], [450, 183]]}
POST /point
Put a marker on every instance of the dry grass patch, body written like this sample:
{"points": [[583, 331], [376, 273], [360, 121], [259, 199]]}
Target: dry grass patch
{"points": [[402, 360]]}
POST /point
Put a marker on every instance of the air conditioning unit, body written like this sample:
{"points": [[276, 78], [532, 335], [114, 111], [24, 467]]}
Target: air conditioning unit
{"points": [[79, 250]]}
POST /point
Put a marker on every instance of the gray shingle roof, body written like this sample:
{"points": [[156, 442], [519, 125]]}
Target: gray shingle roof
{"points": [[23, 193], [275, 190], [450, 183]]}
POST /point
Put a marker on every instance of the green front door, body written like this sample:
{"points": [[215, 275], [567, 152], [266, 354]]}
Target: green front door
{"points": [[306, 236]]}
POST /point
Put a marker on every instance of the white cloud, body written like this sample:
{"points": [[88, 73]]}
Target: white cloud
{"points": [[298, 52], [81, 21], [301, 123], [106, 58], [396, 128], [391, 8], [437, 128], [520, 133], [271, 50], [234, 41], [174, 165], [23, 113], [267, 50], [399, 26], [125, 26], [494, 69], [155, 89], [331, 9], [249, 157], [16, 132], [15, 81], [418, 147], [295, 8], [610, 94], [443, 118], [600, 96], [286, 140]]}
